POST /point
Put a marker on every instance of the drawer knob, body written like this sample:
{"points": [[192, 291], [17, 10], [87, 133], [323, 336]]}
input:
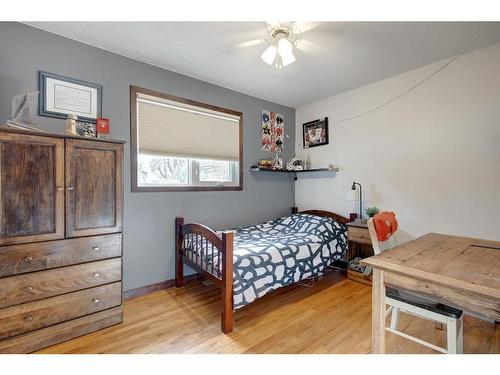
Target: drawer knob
{"points": [[60, 189], [28, 318], [28, 259], [96, 274], [95, 300], [95, 248], [28, 289], [70, 188]]}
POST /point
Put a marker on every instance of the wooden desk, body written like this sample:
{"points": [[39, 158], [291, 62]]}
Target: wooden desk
{"points": [[461, 272]]}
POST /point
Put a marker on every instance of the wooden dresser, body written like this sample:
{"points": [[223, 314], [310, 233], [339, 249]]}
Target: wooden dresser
{"points": [[61, 211]]}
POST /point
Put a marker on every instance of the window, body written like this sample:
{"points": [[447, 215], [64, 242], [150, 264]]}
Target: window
{"points": [[182, 145]]}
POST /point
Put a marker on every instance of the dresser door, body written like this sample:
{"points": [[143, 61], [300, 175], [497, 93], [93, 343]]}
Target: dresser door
{"points": [[94, 187], [31, 188]]}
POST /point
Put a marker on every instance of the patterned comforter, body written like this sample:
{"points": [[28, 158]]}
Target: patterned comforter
{"points": [[282, 252]]}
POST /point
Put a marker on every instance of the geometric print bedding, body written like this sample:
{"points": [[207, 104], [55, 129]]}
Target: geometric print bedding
{"points": [[282, 252]]}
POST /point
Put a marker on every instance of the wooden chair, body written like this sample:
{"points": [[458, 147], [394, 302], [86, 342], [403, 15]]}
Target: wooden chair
{"points": [[401, 301]]}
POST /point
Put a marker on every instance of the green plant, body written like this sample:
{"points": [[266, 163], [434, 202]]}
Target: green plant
{"points": [[372, 211]]}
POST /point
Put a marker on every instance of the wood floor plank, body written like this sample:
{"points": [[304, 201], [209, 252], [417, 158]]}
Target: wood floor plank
{"points": [[333, 316]]}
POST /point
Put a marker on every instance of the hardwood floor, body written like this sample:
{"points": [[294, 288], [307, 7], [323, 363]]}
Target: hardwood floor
{"points": [[333, 316]]}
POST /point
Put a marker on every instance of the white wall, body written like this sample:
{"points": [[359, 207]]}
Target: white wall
{"points": [[432, 156]]}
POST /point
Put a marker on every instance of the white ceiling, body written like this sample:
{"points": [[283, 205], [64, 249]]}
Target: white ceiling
{"points": [[336, 56]]}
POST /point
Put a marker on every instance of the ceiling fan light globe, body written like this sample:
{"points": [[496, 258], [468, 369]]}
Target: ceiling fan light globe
{"points": [[284, 46], [285, 50], [288, 59], [269, 55]]}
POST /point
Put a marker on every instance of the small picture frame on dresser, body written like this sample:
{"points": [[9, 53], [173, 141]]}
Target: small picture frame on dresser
{"points": [[86, 129]]}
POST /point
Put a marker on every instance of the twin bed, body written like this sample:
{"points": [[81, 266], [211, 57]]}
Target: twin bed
{"points": [[249, 262]]}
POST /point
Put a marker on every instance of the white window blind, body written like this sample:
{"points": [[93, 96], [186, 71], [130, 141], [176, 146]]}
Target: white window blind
{"points": [[176, 129]]}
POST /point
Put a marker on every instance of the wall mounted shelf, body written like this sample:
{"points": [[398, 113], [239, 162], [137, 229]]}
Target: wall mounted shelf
{"points": [[295, 173]]}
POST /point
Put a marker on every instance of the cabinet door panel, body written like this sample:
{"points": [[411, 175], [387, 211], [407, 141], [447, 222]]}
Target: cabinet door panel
{"points": [[31, 188], [93, 188]]}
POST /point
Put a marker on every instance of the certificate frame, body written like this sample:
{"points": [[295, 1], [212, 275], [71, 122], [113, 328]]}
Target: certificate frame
{"points": [[60, 96]]}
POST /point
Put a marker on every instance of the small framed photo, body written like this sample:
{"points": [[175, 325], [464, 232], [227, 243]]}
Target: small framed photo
{"points": [[315, 133], [86, 129], [102, 127], [61, 96]]}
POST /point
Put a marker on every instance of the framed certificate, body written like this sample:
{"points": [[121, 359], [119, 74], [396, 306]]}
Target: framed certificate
{"points": [[61, 96]]}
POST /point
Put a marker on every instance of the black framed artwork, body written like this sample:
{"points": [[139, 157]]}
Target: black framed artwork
{"points": [[61, 96], [315, 133]]}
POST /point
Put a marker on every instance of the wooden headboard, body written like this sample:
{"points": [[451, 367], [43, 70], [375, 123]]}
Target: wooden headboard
{"points": [[339, 218]]}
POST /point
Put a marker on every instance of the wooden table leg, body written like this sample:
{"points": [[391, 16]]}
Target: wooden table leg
{"points": [[378, 312]]}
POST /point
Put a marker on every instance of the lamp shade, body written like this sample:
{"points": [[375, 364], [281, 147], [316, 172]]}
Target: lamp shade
{"points": [[285, 50], [269, 55], [352, 195]]}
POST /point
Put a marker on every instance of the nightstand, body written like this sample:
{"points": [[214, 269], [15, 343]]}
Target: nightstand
{"points": [[360, 245]]}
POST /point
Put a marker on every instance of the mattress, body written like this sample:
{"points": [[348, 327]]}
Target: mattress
{"points": [[282, 252]]}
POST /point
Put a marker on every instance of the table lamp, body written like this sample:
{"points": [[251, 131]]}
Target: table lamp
{"points": [[354, 194]]}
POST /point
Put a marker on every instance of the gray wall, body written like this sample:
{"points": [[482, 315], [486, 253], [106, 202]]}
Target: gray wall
{"points": [[149, 217]]}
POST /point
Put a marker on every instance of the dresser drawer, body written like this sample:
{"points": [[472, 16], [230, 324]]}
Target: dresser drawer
{"points": [[15, 290], [31, 316], [16, 259], [359, 235]]}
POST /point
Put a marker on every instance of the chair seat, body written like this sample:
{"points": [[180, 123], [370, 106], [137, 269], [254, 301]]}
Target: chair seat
{"points": [[423, 303]]}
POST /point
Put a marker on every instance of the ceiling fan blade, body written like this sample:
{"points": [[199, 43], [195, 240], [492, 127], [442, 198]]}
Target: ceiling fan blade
{"points": [[271, 25], [250, 43], [306, 46], [300, 27]]}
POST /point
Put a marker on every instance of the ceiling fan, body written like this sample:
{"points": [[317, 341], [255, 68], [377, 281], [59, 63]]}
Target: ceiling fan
{"points": [[282, 39]]}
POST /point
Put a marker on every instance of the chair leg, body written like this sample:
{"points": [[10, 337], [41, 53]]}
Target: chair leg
{"points": [[395, 318], [460, 336], [451, 335]]}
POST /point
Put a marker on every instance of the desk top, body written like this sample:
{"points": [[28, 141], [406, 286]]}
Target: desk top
{"points": [[459, 262]]}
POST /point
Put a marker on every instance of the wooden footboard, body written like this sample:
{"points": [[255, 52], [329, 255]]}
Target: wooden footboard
{"points": [[203, 250]]}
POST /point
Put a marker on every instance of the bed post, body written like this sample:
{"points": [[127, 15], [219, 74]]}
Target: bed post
{"points": [[227, 282], [179, 266]]}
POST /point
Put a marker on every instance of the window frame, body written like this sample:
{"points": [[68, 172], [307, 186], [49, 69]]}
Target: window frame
{"points": [[134, 147]]}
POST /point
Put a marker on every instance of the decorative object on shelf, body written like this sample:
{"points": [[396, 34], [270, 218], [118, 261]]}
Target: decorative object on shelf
{"points": [[355, 194], [277, 162], [86, 129], [315, 133], [102, 127], [265, 163], [61, 96], [24, 107], [372, 211], [273, 131], [295, 164], [70, 125]]}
